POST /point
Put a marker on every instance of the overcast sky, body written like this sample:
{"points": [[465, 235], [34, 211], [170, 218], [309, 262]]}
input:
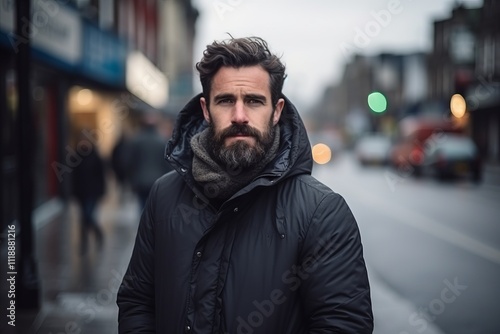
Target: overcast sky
{"points": [[317, 37]]}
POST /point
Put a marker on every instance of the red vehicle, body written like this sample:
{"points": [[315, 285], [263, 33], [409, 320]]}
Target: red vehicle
{"points": [[409, 151]]}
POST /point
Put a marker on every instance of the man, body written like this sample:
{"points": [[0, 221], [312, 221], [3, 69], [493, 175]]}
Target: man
{"points": [[241, 238]]}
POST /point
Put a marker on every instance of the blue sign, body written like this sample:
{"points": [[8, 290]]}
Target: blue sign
{"points": [[63, 40], [103, 56]]}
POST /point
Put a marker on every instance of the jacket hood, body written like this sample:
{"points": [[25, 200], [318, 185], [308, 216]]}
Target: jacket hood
{"points": [[294, 155]]}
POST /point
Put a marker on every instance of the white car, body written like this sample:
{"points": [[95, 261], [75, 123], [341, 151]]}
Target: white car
{"points": [[373, 149]]}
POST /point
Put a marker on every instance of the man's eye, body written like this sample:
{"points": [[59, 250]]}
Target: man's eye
{"points": [[225, 101], [253, 101]]}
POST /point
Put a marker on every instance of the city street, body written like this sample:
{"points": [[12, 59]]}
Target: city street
{"points": [[436, 245], [432, 251], [95, 95]]}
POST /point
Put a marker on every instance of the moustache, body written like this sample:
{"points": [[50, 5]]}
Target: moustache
{"points": [[240, 129]]}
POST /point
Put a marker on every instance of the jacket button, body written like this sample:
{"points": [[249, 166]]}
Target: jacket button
{"points": [[282, 236], [235, 209], [198, 254], [187, 329]]}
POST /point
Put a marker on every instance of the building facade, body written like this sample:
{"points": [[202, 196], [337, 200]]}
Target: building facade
{"points": [[466, 60], [483, 93], [93, 64]]}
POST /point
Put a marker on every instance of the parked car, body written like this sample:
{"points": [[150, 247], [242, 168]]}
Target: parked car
{"points": [[372, 149], [452, 155], [408, 151]]}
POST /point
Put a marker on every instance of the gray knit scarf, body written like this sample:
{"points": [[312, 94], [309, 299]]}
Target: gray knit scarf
{"points": [[217, 181]]}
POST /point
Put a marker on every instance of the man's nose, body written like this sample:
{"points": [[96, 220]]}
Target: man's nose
{"points": [[239, 114]]}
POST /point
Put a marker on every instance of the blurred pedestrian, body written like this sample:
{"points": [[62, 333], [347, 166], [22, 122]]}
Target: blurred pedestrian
{"points": [[145, 157], [242, 239], [119, 161], [88, 189]]}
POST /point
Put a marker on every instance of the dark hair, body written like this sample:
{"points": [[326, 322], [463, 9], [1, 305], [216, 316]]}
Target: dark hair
{"points": [[241, 52]]}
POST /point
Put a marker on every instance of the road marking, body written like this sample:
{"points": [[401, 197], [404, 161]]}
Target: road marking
{"points": [[432, 227]]}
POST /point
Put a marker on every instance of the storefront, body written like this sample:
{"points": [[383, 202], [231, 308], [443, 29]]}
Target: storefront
{"points": [[77, 80]]}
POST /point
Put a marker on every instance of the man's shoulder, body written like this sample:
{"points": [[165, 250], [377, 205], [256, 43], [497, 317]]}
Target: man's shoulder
{"points": [[306, 189], [307, 183], [303, 197], [168, 182], [168, 179]]}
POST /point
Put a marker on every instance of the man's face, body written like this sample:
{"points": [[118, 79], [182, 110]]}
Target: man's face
{"points": [[241, 115]]}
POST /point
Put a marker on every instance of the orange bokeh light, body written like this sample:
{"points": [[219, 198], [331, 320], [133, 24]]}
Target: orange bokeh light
{"points": [[321, 153], [458, 106]]}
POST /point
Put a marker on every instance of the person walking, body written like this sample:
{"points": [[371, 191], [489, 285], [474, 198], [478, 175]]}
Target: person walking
{"points": [[88, 188], [118, 161], [144, 156], [241, 238]]}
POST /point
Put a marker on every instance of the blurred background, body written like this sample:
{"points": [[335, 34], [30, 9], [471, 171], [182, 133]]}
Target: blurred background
{"points": [[401, 100]]}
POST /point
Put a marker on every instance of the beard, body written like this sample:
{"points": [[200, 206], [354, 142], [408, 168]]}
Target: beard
{"points": [[240, 155]]}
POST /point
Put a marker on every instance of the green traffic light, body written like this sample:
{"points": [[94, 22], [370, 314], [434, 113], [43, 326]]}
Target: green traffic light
{"points": [[377, 102]]}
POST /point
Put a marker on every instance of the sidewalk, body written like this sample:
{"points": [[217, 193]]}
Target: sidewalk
{"points": [[79, 292]]}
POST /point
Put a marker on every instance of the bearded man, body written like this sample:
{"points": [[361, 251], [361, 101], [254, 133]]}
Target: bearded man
{"points": [[240, 238]]}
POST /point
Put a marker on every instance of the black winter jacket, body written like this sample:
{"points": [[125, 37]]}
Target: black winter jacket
{"points": [[282, 255]]}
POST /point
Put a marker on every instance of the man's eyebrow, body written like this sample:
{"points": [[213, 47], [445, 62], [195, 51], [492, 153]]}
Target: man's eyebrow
{"points": [[255, 97], [223, 96]]}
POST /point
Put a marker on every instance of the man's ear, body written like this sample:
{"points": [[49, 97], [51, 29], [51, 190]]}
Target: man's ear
{"points": [[204, 107], [277, 111]]}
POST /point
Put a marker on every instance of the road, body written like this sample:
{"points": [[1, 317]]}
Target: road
{"points": [[437, 245]]}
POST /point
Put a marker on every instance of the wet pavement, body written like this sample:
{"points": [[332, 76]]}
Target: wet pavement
{"points": [[78, 292]]}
